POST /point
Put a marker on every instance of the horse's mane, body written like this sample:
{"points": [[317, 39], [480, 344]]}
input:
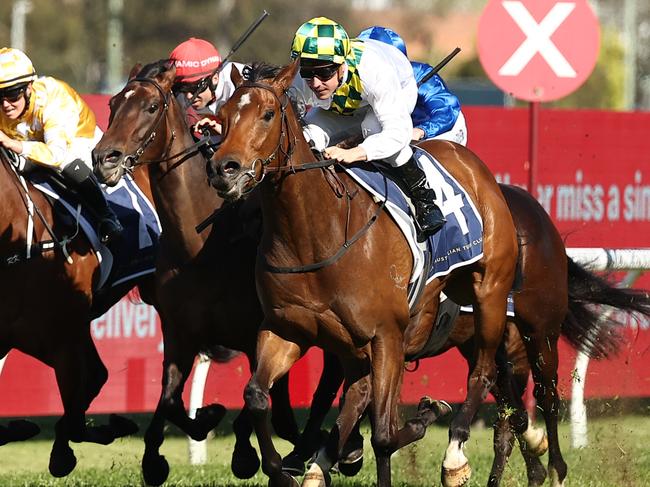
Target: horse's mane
{"points": [[152, 70], [259, 71]]}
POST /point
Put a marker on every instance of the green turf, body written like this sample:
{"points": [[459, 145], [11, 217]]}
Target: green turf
{"points": [[618, 454]]}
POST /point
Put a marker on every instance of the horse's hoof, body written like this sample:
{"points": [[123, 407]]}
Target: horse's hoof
{"points": [[62, 461], [18, 430], [245, 462], [456, 477], [351, 464], [209, 418], [315, 477], [155, 469], [285, 481], [122, 426], [293, 465], [541, 448]]}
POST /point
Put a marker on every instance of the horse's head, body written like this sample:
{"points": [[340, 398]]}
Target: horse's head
{"points": [[138, 122], [255, 130]]}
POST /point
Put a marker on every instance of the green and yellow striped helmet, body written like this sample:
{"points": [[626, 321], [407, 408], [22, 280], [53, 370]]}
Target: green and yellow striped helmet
{"points": [[323, 39]]}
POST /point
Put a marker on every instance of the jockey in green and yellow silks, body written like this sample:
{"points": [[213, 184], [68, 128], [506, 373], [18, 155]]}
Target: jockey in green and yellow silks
{"points": [[365, 85]]}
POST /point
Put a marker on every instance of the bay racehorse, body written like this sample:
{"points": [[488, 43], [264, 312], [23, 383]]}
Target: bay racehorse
{"points": [[355, 306], [48, 303], [556, 296], [204, 282]]}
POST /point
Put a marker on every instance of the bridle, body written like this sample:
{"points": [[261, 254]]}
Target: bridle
{"points": [[291, 168], [131, 161], [285, 133]]}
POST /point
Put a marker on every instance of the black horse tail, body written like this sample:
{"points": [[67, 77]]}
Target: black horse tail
{"points": [[591, 329]]}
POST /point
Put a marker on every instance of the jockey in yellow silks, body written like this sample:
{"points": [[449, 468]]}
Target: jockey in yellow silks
{"points": [[354, 84], [46, 123]]}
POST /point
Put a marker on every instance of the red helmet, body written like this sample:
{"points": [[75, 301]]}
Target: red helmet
{"points": [[195, 59]]}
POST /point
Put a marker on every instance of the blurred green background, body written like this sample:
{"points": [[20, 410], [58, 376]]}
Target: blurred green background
{"points": [[92, 44]]}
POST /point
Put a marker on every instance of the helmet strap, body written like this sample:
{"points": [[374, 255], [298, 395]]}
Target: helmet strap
{"points": [[27, 98]]}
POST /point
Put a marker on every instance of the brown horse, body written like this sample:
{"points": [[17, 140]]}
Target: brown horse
{"points": [[204, 282], [567, 293], [47, 306], [356, 307]]}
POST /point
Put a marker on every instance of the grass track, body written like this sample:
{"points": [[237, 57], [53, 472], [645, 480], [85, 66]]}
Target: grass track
{"points": [[618, 455]]}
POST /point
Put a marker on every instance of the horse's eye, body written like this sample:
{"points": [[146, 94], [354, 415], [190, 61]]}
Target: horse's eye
{"points": [[153, 108], [268, 115]]}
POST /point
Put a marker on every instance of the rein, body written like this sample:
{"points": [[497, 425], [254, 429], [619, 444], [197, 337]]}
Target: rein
{"points": [[293, 168]]}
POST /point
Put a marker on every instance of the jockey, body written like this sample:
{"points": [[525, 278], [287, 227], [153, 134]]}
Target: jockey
{"points": [[354, 84], [195, 60], [46, 123], [437, 113]]}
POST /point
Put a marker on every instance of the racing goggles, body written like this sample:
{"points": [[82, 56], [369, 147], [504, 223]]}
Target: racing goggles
{"points": [[195, 87], [12, 94], [323, 73]]}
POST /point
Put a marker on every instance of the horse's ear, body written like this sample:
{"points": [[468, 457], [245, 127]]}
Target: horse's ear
{"points": [[135, 70], [168, 75], [284, 79], [236, 77]]}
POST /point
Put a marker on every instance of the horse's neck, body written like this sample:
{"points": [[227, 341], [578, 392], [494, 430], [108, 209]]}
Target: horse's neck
{"points": [[303, 217], [183, 199]]}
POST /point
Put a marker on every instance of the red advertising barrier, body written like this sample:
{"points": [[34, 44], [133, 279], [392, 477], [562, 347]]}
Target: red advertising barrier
{"points": [[590, 178]]}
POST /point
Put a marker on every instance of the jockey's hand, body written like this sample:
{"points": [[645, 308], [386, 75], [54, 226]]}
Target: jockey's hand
{"points": [[210, 123], [339, 154], [11, 144], [418, 134]]}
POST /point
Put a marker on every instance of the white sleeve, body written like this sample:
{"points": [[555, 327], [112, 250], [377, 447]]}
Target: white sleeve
{"points": [[384, 95]]}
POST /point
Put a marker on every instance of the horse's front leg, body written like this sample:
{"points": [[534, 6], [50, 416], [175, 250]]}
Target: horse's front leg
{"points": [[387, 369], [357, 396], [80, 377], [282, 418], [177, 367], [275, 356], [489, 316], [311, 438], [155, 468]]}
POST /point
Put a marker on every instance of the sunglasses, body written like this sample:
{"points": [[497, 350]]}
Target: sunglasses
{"points": [[323, 73], [12, 95], [196, 87]]}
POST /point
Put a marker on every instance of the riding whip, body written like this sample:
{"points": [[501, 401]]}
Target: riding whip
{"points": [[237, 45], [439, 66]]}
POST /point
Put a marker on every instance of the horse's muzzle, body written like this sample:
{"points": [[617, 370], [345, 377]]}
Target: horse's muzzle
{"points": [[223, 175], [107, 165]]}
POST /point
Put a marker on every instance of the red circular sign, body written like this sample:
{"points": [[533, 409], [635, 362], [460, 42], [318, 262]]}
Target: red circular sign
{"points": [[538, 50]]}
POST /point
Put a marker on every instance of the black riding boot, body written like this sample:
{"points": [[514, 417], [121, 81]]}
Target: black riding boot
{"points": [[428, 217], [83, 181]]}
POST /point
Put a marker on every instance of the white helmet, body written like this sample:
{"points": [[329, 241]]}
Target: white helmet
{"points": [[15, 68]]}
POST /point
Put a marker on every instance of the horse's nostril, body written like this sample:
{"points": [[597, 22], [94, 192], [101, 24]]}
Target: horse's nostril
{"points": [[112, 157], [231, 167]]}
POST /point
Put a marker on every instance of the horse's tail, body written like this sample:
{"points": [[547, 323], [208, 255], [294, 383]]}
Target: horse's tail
{"points": [[595, 331]]}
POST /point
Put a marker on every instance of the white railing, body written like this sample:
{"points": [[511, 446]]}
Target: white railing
{"points": [[635, 261]]}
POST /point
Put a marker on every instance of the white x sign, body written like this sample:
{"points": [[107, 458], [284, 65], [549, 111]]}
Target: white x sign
{"points": [[538, 39]]}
